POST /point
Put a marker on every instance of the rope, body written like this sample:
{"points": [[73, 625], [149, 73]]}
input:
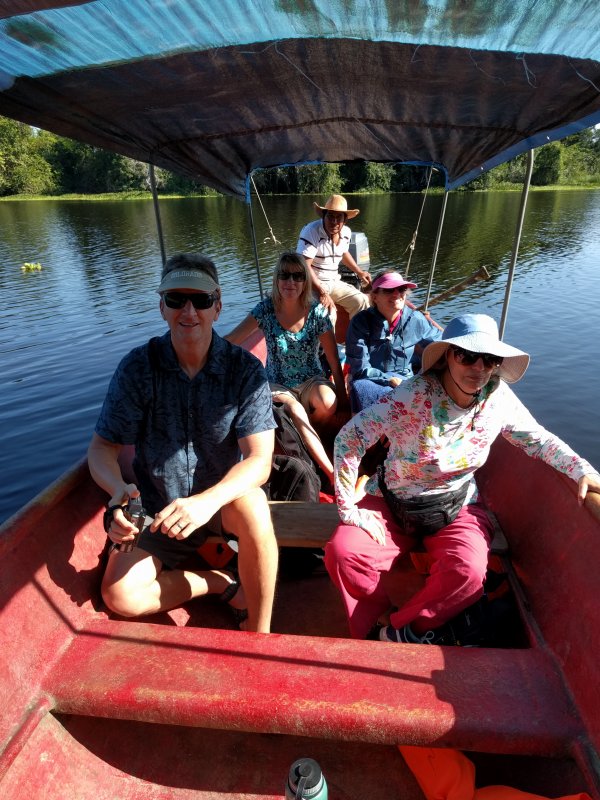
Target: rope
{"points": [[272, 236], [413, 242]]}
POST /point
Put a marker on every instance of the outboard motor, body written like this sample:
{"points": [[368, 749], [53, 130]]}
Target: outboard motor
{"points": [[359, 250]]}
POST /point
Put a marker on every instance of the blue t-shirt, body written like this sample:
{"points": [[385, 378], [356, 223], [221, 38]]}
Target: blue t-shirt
{"points": [[185, 431], [292, 358]]}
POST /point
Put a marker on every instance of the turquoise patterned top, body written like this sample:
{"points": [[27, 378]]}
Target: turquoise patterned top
{"points": [[292, 358], [436, 446]]}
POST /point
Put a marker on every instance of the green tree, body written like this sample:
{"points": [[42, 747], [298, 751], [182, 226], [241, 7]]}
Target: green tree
{"points": [[276, 180], [367, 176], [170, 183], [581, 157], [23, 170], [81, 168], [547, 165], [319, 179]]}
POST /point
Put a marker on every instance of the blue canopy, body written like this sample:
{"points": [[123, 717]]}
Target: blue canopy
{"points": [[216, 90]]}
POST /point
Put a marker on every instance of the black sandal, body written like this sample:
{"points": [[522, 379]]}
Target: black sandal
{"points": [[239, 614]]}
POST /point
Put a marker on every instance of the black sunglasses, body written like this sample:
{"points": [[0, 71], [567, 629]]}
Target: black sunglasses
{"points": [[469, 358], [297, 277], [178, 300], [400, 289]]}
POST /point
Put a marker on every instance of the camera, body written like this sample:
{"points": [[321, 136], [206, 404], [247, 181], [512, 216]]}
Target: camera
{"points": [[134, 512]]}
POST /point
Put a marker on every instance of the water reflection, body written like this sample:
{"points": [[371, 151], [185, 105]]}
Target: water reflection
{"points": [[64, 329]]}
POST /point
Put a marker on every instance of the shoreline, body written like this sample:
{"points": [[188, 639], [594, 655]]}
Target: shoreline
{"points": [[135, 195]]}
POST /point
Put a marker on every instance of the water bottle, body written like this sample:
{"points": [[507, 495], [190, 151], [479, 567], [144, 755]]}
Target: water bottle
{"points": [[306, 781]]}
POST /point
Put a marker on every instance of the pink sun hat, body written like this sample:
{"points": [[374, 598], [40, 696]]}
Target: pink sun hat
{"points": [[392, 280]]}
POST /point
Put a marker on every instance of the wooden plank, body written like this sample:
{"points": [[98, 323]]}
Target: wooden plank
{"points": [[304, 524], [504, 701], [312, 524]]}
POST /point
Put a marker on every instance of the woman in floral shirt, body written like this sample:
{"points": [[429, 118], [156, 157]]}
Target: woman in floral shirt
{"points": [[441, 425], [294, 326]]}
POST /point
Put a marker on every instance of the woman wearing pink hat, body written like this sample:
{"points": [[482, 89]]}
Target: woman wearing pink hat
{"points": [[384, 342], [441, 425]]}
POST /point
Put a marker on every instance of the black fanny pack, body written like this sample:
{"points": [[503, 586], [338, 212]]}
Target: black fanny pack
{"points": [[423, 516]]}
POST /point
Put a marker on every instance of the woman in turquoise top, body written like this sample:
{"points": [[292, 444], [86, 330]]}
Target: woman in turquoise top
{"points": [[295, 326]]}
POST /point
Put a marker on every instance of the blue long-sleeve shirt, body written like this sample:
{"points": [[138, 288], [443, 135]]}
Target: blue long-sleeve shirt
{"points": [[373, 352]]}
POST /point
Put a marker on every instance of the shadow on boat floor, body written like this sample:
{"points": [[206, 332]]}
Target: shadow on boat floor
{"points": [[309, 605], [218, 763]]}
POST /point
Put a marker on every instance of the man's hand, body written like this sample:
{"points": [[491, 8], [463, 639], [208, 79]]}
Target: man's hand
{"points": [[183, 516], [326, 301], [395, 381], [365, 277], [120, 528]]}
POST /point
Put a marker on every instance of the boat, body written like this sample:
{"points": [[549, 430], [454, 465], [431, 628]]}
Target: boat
{"points": [[183, 705]]}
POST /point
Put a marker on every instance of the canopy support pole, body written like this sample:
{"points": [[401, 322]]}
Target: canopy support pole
{"points": [[435, 251], [253, 230], [161, 240], [516, 242], [413, 241]]}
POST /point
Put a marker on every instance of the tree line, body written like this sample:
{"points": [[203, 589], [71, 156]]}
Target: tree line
{"points": [[36, 162]]}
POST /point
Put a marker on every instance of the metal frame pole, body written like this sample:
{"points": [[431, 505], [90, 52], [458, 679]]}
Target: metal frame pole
{"points": [[413, 242], [516, 242], [253, 231], [161, 240], [435, 251]]}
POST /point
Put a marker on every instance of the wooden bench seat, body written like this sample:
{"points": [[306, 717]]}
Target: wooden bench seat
{"points": [[312, 524], [503, 701]]}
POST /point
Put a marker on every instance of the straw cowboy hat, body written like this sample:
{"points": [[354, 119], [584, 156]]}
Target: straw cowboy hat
{"points": [[337, 203], [479, 334]]}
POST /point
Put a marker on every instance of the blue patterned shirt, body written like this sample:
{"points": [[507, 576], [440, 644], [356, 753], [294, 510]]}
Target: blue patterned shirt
{"points": [[185, 431], [292, 358]]}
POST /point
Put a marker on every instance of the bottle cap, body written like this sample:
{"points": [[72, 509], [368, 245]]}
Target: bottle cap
{"points": [[306, 776]]}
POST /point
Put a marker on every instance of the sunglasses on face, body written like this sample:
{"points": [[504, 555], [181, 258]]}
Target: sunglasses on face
{"points": [[297, 277], [400, 289], [200, 301], [467, 358]]}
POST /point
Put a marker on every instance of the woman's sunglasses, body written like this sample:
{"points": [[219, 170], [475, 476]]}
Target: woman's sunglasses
{"points": [[200, 301], [400, 289], [469, 358], [297, 277]]}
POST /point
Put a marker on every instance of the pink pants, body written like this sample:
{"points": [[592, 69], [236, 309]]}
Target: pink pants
{"points": [[356, 564]]}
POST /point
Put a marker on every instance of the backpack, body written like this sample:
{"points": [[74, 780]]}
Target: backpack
{"points": [[290, 444], [492, 621], [288, 441], [292, 478]]}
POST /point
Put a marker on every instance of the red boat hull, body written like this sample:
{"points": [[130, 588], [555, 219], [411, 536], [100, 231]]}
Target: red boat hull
{"points": [[99, 707]]}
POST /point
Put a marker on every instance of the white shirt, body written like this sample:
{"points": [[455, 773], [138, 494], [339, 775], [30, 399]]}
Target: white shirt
{"points": [[314, 242]]}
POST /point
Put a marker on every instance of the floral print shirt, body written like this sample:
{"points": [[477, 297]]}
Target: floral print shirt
{"points": [[292, 358], [435, 445]]}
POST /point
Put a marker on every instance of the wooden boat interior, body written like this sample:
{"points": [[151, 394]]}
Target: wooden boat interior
{"points": [[87, 696], [182, 705]]}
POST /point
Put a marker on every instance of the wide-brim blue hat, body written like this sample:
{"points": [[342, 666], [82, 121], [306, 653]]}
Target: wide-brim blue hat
{"points": [[479, 334]]}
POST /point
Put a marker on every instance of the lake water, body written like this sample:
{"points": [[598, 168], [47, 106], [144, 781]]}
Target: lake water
{"points": [[64, 329]]}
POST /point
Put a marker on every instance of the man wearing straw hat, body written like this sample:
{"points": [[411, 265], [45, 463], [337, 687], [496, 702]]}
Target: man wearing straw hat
{"points": [[325, 243]]}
